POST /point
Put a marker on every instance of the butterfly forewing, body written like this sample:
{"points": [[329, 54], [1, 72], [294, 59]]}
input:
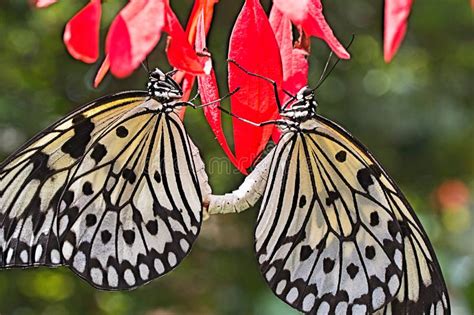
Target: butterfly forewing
{"points": [[32, 181]]}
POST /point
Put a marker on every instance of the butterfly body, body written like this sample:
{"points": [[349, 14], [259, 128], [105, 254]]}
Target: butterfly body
{"points": [[113, 190]]}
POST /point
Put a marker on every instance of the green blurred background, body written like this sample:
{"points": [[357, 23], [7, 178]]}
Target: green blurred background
{"points": [[415, 114]]}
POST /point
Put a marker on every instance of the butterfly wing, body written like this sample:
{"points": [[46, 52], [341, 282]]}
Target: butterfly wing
{"points": [[33, 178], [335, 234], [132, 215]]}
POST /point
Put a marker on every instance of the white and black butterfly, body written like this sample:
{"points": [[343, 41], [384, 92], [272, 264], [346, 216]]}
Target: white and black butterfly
{"points": [[334, 234], [114, 190]]}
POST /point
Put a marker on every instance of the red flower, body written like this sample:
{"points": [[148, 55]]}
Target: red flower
{"points": [[254, 47], [395, 25], [81, 34], [309, 15]]}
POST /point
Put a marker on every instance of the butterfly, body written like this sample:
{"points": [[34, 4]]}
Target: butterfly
{"points": [[334, 234], [113, 190]]}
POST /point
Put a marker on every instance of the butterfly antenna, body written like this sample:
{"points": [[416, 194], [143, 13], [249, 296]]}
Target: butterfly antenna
{"points": [[327, 72], [219, 99]]}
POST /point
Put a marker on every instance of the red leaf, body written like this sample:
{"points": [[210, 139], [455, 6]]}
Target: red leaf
{"points": [[309, 14], [81, 35], [43, 3], [294, 60], [395, 25], [181, 54], [104, 68], [253, 46], [133, 34], [209, 92]]}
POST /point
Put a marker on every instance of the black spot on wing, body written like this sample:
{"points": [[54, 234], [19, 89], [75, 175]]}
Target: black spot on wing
{"points": [[305, 252], [40, 166], [121, 132], [98, 152], [332, 196], [341, 156], [105, 236], [87, 189], [76, 145], [352, 270], [129, 236], [91, 219], [370, 252], [157, 177], [364, 178], [328, 264], [152, 227], [129, 175], [302, 201], [374, 218]]}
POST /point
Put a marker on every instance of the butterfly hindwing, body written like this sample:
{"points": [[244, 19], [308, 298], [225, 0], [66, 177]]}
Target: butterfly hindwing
{"points": [[33, 178], [135, 213]]}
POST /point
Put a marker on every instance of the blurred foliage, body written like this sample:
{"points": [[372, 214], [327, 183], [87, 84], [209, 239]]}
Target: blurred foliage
{"points": [[415, 115]]}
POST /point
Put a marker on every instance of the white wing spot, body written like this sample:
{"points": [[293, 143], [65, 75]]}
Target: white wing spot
{"points": [[270, 273], [38, 252], [67, 250], [398, 258], [359, 309], [129, 277], [55, 256], [172, 259], [194, 230], [24, 256], [308, 302], [9, 255], [112, 276], [280, 286], [184, 245], [439, 308], [378, 298], [159, 266], [79, 262], [324, 308], [97, 276], [292, 295], [144, 271], [341, 308], [393, 285]]}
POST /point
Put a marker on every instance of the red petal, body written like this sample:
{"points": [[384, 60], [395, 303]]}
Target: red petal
{"points": [[309, 14], [294, 60], [44, 3], [209, 92], [81, 35], [181, 54], [205, 6], [253, 46], [133, 34], [395, 26], [104, 68]]}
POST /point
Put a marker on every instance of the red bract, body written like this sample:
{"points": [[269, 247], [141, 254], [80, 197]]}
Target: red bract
{"points": [[133, 34], [253, 46], [81, 35], [395, 25], [209, 92], [294, 59], [309, 15], [181, 54], [43, 3]]}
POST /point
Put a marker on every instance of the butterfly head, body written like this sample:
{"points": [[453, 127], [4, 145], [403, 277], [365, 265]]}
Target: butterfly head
{"points": [[303, 108], [162, 87]]}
